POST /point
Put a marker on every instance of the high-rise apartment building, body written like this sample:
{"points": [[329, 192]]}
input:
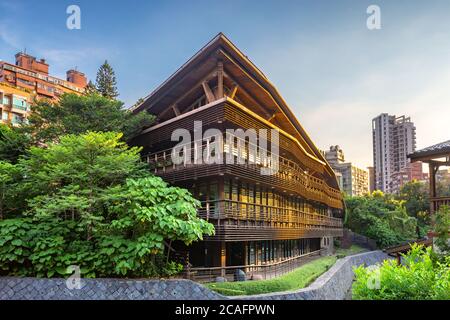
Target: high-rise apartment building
{"points": [[371, 179], [28, 79], [393, 139], [352, 180]]}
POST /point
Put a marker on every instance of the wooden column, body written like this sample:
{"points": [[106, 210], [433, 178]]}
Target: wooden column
{"points": [[219, 80], [432, 173], [209, 94], [223, 258]]}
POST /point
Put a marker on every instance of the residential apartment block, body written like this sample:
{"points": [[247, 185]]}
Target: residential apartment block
{"points": [[29, 79], [393, 139], [352, 180], [14, 104]]}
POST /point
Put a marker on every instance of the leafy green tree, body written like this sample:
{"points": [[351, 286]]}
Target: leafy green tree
{"points": [[442, 229], [443, 187], [13, 143], [91, 202], [380, 217], [8, 176], [106, 81], [74, 114], [415, 195], [90, 88]]}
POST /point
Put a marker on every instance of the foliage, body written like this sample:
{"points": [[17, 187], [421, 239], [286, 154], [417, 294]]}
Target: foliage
{"points": [[297, 279], [8, 175], [13, 143], [419, 277], [354, 249], [442, 229], [380, 217], [90, 88], [89, 201], [415, 197], [74, 114], [106, 81], [443, 186]]}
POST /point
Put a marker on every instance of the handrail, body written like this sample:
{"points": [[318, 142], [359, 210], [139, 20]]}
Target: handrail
{"points": [[285, 165], [316, 217], [267, 265]]}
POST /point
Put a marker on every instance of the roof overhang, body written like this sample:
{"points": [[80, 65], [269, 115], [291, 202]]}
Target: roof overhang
{"points": [[432, 153], [241, 69]]}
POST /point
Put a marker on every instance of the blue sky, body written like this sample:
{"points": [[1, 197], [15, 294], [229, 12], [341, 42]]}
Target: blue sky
{"points": [[335, 73]]}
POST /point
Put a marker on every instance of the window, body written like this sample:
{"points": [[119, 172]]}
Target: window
{"points": [[5, 115], [16, 118], [6, 100], [20, 103], [213, 197]]}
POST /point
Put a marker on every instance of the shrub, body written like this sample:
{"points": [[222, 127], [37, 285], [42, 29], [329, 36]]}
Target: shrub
{"points": [[420, 277], [89, 202]]}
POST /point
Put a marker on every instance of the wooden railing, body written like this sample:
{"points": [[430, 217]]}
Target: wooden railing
{"points": [[437, 202], [261, 271], [239, 221], [288, 171], [237, 210]]}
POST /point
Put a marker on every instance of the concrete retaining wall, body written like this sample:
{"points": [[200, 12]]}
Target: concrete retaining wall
{"points": [[334, 284]]}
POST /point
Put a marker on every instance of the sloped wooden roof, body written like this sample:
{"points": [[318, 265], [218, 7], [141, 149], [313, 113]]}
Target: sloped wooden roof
{"points": [[251, 78], [438, 150]]}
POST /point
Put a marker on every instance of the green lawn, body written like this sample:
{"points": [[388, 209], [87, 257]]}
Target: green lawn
{"points": [[354, 249], [294, 280], [297, 279]]}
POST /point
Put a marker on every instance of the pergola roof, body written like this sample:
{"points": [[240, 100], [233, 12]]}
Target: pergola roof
{"points": [[439, 150]]}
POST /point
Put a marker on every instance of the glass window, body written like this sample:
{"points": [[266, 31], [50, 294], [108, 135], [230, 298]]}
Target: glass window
{"points": [[251, 252], [6, 100], [5, 115], [213, 197], [243, 198], [202, 193], [16, 118], [234, 196]]}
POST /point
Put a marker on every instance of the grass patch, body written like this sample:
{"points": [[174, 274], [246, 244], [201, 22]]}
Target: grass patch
{"points": [[354, 249], [297, 279]]}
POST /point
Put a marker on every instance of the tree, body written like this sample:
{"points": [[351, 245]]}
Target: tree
{"points": [[92, 202], [8, 176], [381, 218], [74, 114], [415, 197], [106, 81], [442, 230], [90, 88], [13, 143], [138, 102]]}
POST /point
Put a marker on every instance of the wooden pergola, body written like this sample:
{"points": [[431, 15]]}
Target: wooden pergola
{"points": [[436, 156]]}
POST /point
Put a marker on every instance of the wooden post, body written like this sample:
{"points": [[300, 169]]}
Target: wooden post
{"points": [[219, 80], [209, 94], [223, 258], [432, 174]]}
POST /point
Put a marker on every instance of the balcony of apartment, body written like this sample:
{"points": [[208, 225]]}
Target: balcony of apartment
{"points": [[284, 174]]}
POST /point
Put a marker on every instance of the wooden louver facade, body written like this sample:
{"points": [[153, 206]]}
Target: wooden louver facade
{"points": [[260, 220]]}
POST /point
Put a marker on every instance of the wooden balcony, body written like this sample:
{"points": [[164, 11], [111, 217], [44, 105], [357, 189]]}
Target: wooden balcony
{"points": [[288, 176], [239, 221]]}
